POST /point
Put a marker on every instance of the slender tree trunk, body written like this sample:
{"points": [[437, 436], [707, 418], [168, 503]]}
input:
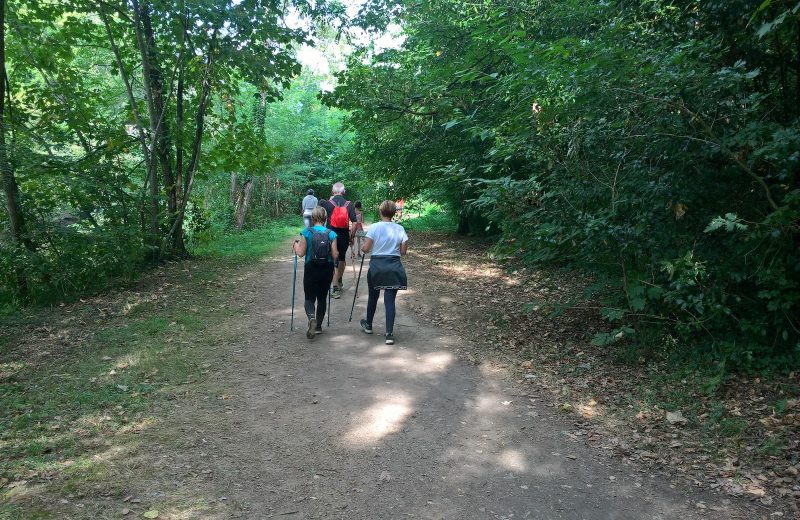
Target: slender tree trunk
{"points": [[797, 70], [234, 188], [161, 138], [181, 180], [194, 158], [10, 186], [138, 10], [243, 204]]}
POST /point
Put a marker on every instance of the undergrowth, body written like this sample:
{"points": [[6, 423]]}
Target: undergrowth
{"points": [[78, 382]]}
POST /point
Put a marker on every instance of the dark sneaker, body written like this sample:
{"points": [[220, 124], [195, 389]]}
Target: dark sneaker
{"points": [[336, 293], [318, 330], [389, 338], [366, 327], [312, 324]]}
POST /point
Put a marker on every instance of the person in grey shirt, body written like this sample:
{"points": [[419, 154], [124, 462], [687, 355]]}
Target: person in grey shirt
{"points": [[309, 203]]}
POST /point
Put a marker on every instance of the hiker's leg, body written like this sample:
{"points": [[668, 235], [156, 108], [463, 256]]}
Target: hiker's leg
{"points": [[388, 301], [340, 270], [322, 295], [322, 307], [309, 294], [342, 244], [372, 300]]}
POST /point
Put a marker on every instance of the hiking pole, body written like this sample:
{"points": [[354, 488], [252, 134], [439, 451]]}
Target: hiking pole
{"points": [[330, 291], [294, 285], [355, 293]]}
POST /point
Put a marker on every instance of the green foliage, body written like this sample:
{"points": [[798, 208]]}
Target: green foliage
{"points": [[251, 244], [431, 217], [79, 125], [652, 145]]}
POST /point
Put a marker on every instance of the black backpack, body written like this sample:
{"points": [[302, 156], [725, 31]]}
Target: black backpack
{"points": [[320, 246]]}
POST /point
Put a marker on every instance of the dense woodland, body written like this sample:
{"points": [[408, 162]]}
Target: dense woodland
{"points": [[653, 146]]}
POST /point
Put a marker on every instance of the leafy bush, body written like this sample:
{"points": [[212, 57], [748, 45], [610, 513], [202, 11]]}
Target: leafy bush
{"points": [[654, 146]]}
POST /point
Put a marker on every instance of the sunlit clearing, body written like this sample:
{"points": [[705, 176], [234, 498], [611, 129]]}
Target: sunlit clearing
{"points": [[513, 460], [381, 419]]}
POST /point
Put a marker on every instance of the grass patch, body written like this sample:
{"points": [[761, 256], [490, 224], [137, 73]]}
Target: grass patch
{"points": [[76, 385], [433, 218], [251, 244]]}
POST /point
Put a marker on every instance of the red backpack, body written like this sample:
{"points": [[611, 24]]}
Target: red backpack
{"points": [[340, 218]]}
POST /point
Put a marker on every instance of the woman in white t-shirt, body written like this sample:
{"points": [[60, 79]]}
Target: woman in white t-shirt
{"points": [[386, 241]]}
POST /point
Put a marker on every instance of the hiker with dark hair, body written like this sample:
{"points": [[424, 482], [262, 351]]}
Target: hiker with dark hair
{"points": [[308, 205], [387, 241], [319, 248], [340, 216]]}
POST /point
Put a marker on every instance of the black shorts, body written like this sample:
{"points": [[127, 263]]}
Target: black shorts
{"points": [[342, 241]]}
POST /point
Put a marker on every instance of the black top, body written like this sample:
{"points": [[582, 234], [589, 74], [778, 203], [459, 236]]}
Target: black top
{"points": [[328, 205]]}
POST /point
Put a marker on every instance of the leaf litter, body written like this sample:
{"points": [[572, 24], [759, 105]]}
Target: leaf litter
{"points": [[733, 441]]}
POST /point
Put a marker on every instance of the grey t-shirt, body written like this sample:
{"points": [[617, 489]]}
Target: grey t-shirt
{"points": [[309, 203]]}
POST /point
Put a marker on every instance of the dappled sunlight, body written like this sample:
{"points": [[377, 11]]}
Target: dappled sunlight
{"points": [[589, 409], [390, 359], [513, 460], [487, 404], [384, 417], [193, 512], [128, 361], [10, 368]]}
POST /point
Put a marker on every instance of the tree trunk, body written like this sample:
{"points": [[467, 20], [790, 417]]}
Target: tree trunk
{"points": [[463, 223], [243, 203], [161, 137], [234, 188], [138, 12], [10, 186]]}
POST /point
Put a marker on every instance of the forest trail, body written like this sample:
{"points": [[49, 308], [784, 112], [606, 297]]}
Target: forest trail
{"points": [[347, 427]]}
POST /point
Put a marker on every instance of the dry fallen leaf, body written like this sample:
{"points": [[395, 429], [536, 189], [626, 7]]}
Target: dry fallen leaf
{"points": [[125, 511], [150, 514]]}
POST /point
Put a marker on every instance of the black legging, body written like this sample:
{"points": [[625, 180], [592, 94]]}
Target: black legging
{"points": [[316, 283], [388, 301]]}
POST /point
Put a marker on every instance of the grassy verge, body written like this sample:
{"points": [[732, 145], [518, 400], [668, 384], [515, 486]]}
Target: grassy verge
{"points": [[433, 219], [79, 383], [251, 244]]}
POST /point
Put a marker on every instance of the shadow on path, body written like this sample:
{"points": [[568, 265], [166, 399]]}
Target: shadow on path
{"points": [[347, 427]]}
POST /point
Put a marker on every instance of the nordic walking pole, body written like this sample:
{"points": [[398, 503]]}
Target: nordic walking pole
{"points": [[294, 284], [355, 293]]}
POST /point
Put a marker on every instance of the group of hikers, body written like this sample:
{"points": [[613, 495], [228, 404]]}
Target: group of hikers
{"points": [[333, 226]]}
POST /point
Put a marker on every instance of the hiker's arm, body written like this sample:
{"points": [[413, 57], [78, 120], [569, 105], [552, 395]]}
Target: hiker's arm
{"points": [[335, 252], [300, 246], [404, 247], [367, 247]]}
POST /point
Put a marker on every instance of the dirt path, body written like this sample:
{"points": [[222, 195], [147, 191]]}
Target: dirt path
{"points": [[347, 427]]}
